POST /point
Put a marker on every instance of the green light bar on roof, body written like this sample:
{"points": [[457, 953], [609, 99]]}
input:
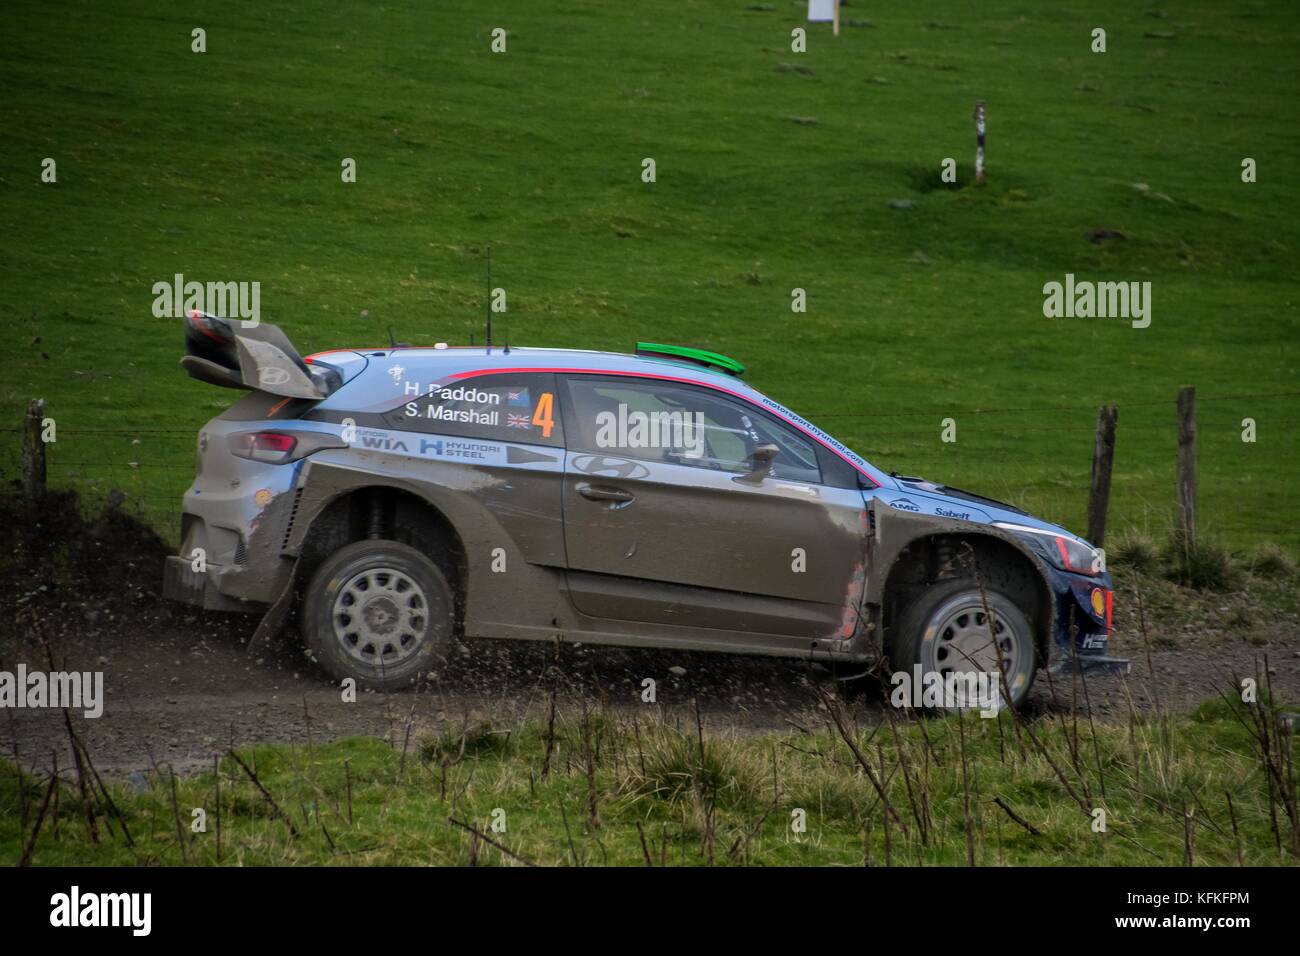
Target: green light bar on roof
{"points": [[702, 356]]}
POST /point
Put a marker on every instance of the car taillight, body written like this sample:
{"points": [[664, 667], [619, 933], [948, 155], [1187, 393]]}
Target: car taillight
{"points": [[271, 447]]}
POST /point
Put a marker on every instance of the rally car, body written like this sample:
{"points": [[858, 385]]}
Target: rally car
{"points": [[392, 499]]}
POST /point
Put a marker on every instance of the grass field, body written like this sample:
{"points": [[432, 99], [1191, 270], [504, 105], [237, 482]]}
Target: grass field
{"points": [[226, 166], [979, 792]]}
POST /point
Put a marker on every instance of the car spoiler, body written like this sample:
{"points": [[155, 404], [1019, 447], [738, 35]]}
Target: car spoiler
{"points": [[258, 358]]}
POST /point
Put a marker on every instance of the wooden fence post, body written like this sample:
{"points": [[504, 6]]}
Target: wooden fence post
{"points": [[1103, 457], [1187, 466], [33, 453]]}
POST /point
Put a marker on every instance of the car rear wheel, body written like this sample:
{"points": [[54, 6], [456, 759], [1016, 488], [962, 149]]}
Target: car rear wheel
{"points": [[945, 632], [379, 612]]}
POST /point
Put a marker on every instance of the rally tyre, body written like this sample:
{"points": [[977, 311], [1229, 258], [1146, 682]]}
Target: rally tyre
{"points": [[379, 612], [945, 630]]}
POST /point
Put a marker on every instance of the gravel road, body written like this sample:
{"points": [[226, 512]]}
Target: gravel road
{"points": [[182, 686]]}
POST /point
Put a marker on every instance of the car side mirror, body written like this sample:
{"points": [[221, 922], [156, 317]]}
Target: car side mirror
{"points": [[760, 464]]}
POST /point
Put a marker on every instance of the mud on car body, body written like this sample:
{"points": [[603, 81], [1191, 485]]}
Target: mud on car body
{"points": [[393, 498]]}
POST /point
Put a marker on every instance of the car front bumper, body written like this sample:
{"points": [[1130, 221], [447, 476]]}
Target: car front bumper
{"points": [[1081, 632]]}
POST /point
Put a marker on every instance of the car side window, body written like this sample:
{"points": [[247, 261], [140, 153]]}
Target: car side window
{"points": [[513, 407], [652, 420]]}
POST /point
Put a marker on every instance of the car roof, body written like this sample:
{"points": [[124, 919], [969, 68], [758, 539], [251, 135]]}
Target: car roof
{"points": [[429, 365], [453, 360]]}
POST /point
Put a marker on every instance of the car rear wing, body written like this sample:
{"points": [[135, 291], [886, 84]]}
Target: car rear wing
{"points": [[258, 358]]}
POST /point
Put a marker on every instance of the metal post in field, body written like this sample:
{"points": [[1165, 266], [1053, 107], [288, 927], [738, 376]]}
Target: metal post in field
{"points": [[1187, 465], [979, 141], [1103, 457], [33, 453]]}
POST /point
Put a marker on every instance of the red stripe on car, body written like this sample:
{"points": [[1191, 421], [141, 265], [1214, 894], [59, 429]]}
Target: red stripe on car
{"points": [[472, 373]]}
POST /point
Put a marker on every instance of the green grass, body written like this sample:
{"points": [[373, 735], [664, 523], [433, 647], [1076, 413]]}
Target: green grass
{"points": [[225, 166], [735, 805]]}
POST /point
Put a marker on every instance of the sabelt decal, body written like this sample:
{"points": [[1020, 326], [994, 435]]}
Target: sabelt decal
{"points": [[929, 506]]}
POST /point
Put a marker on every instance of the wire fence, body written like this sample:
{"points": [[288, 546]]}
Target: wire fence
{"points": [[147, 470], [1046, 409], [1036, 457]]}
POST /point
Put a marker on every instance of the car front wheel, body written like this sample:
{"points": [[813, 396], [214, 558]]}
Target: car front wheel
{"points": [[379, 612], [946, 632]]}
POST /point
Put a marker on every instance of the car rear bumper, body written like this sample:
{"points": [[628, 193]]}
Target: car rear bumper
{"points": [[202, 588]]}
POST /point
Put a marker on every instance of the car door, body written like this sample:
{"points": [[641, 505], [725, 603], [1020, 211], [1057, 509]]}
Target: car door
{"points": [[666, 523], [495, 439]]}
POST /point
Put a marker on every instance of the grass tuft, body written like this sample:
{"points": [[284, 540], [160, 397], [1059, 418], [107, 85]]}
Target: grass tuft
{"points": [[1203, 565], [1134, 550], [1271, 561], [675, 771]]}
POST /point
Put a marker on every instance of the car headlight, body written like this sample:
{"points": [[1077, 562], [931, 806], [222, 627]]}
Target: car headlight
{"points": [[1060, 550]]}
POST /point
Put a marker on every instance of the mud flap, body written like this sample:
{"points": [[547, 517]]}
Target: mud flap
{"points": [[272, 621], [1090, 664]]}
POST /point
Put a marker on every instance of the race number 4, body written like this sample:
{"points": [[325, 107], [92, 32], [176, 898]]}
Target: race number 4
{"points": [[544, 413]]}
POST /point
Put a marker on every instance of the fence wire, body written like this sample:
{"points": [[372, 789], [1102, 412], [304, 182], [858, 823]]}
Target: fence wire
{"points": [[1005, 452]]}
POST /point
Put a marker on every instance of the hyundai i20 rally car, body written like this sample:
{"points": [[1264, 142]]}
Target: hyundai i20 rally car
{"points": [[394, 498]]}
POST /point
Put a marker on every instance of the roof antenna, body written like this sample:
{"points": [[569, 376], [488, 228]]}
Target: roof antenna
{"points": [[488, 300], [392, 339], [507, 332]]}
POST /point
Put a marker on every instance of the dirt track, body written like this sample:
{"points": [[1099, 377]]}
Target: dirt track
{"points": [[180, 685], [178, 694]]}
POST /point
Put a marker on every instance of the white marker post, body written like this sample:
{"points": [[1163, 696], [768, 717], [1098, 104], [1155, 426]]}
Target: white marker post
{"points": [[979, 141], [825, 11]]}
